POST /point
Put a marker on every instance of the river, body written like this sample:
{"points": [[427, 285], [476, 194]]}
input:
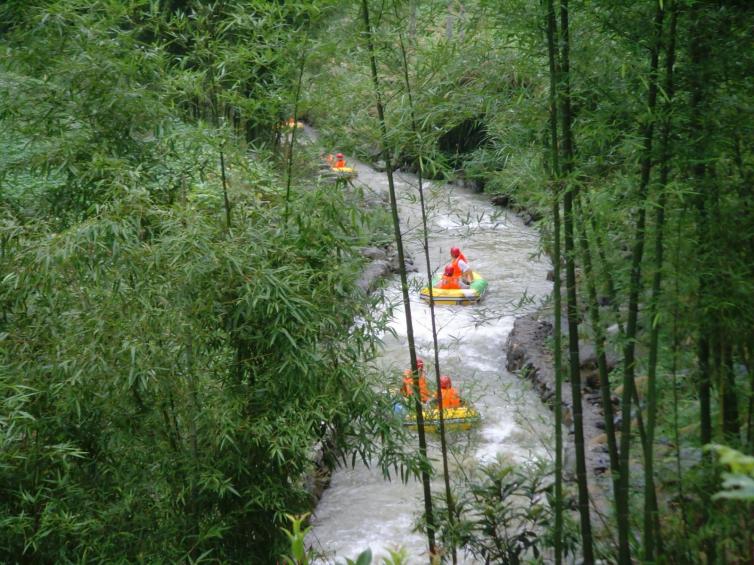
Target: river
{"points": [[360, 509]]}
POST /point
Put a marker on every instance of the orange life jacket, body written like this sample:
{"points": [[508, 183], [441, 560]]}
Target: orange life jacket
{"points": [[450, 398], [449, 283], [408, 386], [340, 163], [454, 263]]}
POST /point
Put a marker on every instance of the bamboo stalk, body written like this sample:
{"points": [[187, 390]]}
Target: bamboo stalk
{"points": [[571, 298], [425, 243], [552, 57], [629, 362], [428, 514], [296, 99], [651, 514]]}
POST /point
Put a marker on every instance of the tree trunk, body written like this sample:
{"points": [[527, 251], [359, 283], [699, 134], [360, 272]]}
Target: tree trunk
{"points": [[428, 514], [624, 551], [288, 174], [425, 243], [552, 56], [571, 302], [599, 343], [731, 425], [651, 515], [699, 54]]}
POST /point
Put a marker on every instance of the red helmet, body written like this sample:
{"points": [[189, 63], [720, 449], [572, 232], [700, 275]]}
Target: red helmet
{"points": [[340, 155], [445, 381], [419, 363], [448, 271], [455, 251]]}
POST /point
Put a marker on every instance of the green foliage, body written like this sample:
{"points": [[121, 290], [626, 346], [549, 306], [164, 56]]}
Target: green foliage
{"points": [[163, 379], [296, 537], [738, 484], [165, 382], [175, 379], [504, 514]]}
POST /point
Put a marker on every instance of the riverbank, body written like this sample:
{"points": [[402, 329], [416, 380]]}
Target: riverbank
{"points": [[529, 355]]}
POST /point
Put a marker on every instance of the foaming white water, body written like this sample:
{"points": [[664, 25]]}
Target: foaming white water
{"points": [[360, 509]]}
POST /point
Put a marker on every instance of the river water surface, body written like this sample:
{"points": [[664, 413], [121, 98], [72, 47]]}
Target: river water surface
{"points": [[360, 509]]}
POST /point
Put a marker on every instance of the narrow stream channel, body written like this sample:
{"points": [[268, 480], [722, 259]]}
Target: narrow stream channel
{"points": [[360, 509]]}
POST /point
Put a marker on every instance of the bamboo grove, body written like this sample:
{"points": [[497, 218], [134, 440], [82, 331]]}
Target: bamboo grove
{"points": [[178, 328], [178, 295], [625, 125]]}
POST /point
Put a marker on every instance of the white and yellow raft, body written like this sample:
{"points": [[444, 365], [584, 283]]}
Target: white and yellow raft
{"points": [[461, 418], [345, 172], [337, 173], [470, 295]]}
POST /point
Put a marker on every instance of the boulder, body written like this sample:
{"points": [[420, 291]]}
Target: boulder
{"points": [[516, 357], [588, 356], [408, 262], [501, 200], [372, 274], [374, 253]]}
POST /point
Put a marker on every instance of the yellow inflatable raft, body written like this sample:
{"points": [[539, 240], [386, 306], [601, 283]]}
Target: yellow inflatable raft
{"points": [[470, 295], [338, 173], [345, 172], [461, 418]]}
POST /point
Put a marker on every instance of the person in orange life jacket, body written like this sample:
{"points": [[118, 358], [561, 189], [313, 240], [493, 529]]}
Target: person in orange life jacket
{"points": [[448, 394], [340, 161], [408, 382], [460, 265], [450, 281]]}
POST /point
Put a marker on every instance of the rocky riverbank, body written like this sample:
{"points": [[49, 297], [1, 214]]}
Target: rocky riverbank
{"points": [[529, 355]]}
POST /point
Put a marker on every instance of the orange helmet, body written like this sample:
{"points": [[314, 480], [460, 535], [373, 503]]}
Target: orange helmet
{"points": [[445, 381], [455, 251]]}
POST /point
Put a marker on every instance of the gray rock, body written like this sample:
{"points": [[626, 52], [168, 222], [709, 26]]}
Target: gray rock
{"points": [[374, 253], [601, 464], [588, 356], [529, 354], [501, 200], [372, 274], [409, 264]]}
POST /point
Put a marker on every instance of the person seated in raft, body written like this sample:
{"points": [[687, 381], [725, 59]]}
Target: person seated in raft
{"points": [[450, 281], [407, 389], [460, 265], [448, 394], [340, 161]]}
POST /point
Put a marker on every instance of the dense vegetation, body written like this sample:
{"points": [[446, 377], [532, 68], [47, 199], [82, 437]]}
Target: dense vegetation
{"points": [[172, 347], [642, 144], [177, 327]]}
